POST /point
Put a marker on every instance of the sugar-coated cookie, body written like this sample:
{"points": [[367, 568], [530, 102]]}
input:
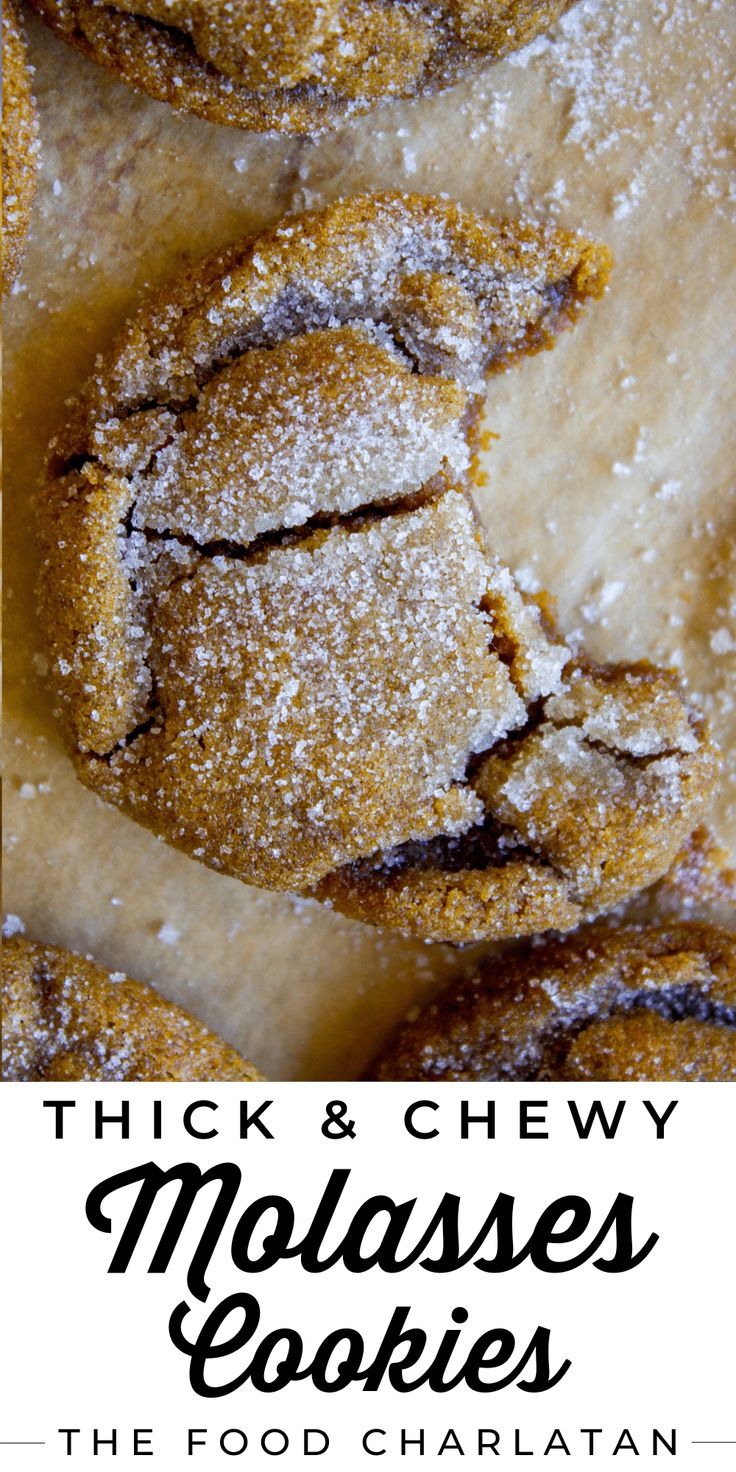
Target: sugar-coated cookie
{"points": [[295, 66], [20, 145], [277, 633], [65, 1019], [645, 1003]]}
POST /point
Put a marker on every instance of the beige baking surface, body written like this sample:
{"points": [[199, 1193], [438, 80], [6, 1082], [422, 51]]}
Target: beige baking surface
{"points": [[611, 483]]}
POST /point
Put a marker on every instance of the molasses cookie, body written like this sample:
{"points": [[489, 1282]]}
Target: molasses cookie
{"points": [[277, 633], [19, 145], [65, 1019], [622, 1005], [295, 66]]}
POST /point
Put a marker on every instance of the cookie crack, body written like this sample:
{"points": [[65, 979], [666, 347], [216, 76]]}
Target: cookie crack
{"points": [[156, 721], [232, 351], [673, 1004], [294, 536], [287, 313], [640, 760], [484, 847], [609, 747]]}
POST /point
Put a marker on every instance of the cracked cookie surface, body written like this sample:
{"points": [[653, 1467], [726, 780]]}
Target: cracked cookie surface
{"points": [[277, 633], [585, 806], [66, 1019], [295, 66], [655, 1004], [20, 144]]}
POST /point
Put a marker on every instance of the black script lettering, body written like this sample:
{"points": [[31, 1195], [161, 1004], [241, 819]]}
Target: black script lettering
{"points": [[275, 1244], [341, 1359], [153, 1180]]}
